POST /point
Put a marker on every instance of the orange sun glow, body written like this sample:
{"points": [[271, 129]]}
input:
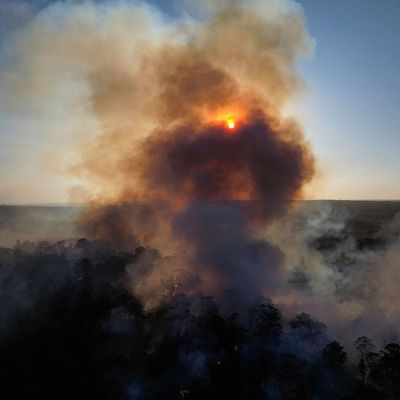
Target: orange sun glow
{"points": [[230, 124], [228, 119]]}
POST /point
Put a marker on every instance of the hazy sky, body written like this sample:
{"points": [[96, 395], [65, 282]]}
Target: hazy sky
{"points": [[349, 109]]}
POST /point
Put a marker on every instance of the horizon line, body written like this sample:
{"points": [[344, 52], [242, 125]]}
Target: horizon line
{"points": [[80, 204]]}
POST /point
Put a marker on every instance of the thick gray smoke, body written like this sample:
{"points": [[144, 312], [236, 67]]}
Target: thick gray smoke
{"points": [[342, 266]]}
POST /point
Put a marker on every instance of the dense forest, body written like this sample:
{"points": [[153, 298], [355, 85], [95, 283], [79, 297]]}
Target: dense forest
{"points": [[72, 329]]}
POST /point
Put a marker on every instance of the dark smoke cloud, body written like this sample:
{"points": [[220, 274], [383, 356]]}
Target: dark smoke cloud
{"points": [[207, 163], [226, 255]]}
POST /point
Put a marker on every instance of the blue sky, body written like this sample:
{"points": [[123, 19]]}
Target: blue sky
{"points": [[349, 109]]}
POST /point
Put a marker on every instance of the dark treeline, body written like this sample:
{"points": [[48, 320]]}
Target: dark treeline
{"points": [[72, 329]]}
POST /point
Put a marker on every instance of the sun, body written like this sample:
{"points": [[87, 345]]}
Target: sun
{"points": [[228, 120], [231, 124]]}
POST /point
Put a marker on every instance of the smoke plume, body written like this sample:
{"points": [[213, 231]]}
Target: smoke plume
{"points": [[190, 153], [166, 139]]}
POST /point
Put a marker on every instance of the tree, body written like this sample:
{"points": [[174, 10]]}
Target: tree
{"points": [[365, 347], [266, 321], [334, 355]]}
